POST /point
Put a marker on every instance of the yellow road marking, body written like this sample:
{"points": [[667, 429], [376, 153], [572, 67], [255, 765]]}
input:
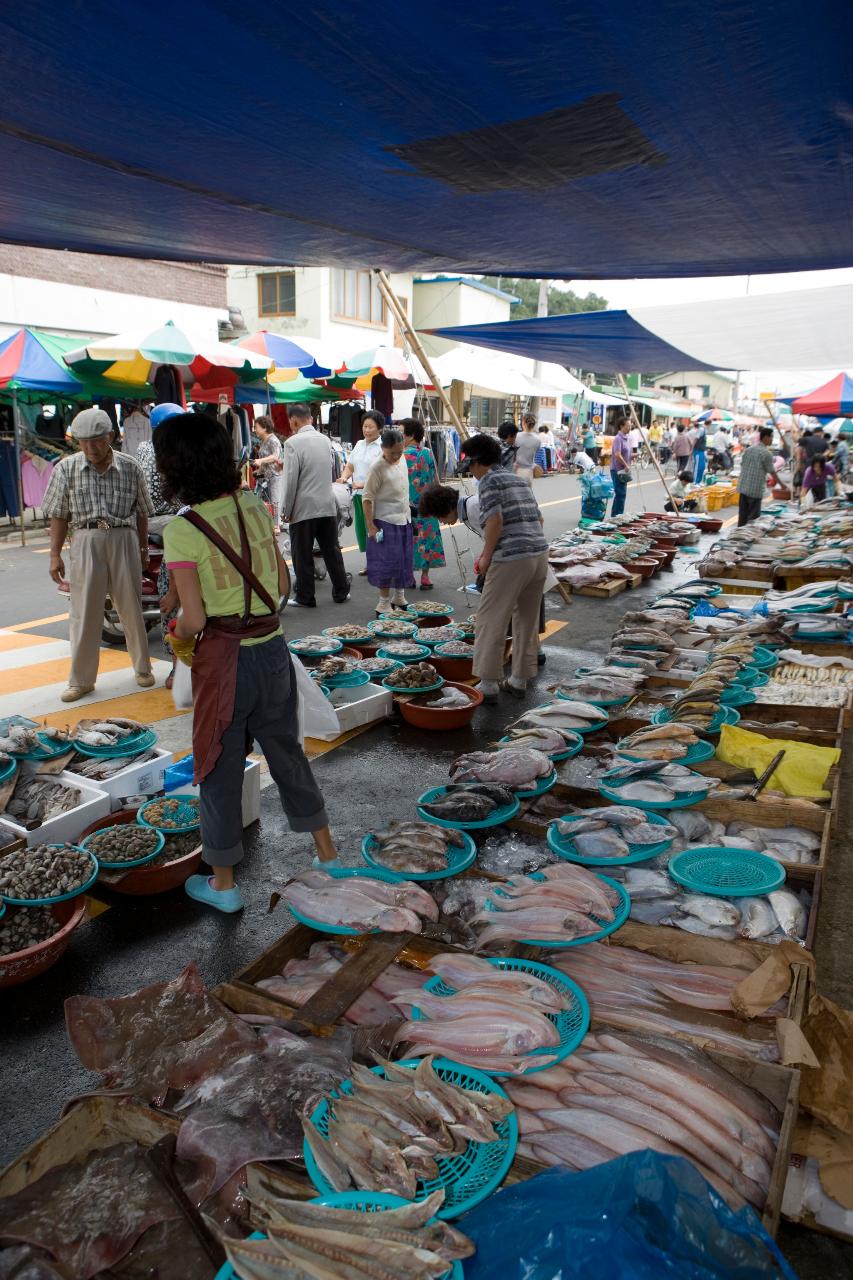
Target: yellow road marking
{"points": [[37, 622], [22, 679], [731, 520], [9, 642], [551, 628], [41, 551], [147, 706], [315, 747]]}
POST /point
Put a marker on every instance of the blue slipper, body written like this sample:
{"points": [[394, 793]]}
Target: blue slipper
{"points": [[200, 888]]}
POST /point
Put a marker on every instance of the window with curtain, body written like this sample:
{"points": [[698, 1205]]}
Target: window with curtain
{"points": [[277, 293], [356, 296]]}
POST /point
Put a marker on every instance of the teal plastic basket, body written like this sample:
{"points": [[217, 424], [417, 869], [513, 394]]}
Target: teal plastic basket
{"points": [[133, 745], [737, 696], [186, 811], [422, 611], [459, 859], [7, 769], [404, 659], [574, 750], [347, 680], [542, 786], [751, 677], [726, 873], [620, 915], [391, 664], [60, 897], [572, 1022], [121, 866], [346, 873], [763, 658], [364, 636], [564, 847], [725, 715], [495, 818], [388, 683], [467, 1178], [696, 754], [614, 795], [326, 651], [422, 636], [48, 750], [378, 628]]}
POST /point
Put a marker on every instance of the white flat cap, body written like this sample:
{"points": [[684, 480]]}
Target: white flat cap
{"points": [[91, 423]]}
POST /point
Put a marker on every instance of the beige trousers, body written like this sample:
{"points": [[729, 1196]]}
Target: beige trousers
{"points": [[513, 589], [104, 562]]}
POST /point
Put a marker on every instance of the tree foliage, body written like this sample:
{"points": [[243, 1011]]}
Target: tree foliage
{"points": [[560, 301]]}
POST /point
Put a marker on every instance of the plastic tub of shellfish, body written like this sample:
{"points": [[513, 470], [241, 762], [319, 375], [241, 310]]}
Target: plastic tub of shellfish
{"points": [[22, 966], [424, 717], [65, 827], [153, 878]]}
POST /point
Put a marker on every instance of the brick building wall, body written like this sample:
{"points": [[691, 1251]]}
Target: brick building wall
{"points": [[202, 284]]}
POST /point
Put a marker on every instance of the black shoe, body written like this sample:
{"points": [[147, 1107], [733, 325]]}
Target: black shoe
{"points": [[540, 659]]}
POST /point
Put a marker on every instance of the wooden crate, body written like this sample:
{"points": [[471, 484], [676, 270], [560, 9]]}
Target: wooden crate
{"points": [[790, 577], [625, 722]]}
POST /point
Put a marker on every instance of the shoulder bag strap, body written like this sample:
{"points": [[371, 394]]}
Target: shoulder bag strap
{"points": [[241, 563]]}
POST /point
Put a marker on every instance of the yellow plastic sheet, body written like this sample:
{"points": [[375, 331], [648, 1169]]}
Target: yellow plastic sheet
{"points": [[802, 773]]}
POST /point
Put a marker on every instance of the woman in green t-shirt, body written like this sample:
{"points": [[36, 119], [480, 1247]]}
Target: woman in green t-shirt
{"points": [[244, 688]]}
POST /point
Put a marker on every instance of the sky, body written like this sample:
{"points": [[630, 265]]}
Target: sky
{"points": [[627, 294]]}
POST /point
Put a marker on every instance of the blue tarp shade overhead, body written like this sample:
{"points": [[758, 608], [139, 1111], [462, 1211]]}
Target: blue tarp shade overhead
{"points": [[686, 138], [603, 340]]}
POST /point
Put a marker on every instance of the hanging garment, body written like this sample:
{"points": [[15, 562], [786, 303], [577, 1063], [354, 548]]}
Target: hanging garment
{"points": [[35, 477], [8, 480], [382, 395], [137, 429], [281, 420], [168, 387]]}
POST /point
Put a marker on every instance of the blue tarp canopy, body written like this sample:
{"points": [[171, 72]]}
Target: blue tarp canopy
{"points": [[680, 138]]}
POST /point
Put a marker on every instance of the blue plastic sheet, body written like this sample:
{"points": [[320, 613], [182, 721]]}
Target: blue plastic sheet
{"points": [[642, 1217]]}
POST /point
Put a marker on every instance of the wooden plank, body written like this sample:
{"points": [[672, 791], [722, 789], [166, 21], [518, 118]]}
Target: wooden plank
{"points": [[603, 590], [292, 944], [355, 975]]}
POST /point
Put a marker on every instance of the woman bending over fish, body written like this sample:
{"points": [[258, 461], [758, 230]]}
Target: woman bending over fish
{"points": [[229, 574]]}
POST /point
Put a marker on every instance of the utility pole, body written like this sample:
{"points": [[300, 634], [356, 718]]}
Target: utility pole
{"points": [[541, 310]]}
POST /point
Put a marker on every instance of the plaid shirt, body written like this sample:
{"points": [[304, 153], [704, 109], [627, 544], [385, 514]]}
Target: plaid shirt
{"points": [[755, 465], [78, 493]]}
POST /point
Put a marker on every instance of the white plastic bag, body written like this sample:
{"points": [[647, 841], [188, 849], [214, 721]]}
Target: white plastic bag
{"points": [[182, 687], [317, 718]]}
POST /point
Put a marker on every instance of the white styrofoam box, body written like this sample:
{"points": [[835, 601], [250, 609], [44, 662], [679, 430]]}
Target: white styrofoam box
{"points": [[65, 828], [144, 779], [357, 707], [251, 792]]}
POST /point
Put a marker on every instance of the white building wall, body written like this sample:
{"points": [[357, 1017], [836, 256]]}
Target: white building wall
{"points": [[441, 303], [68, 309]]}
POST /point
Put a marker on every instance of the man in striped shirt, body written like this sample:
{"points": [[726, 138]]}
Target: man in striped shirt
{"points": [[755, 466], [514, 561]]}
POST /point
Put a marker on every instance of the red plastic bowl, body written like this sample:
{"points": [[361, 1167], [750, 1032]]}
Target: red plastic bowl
{"points": [[437, 718], [21, 966], [139, 881], [453, 668], [644, 565]]}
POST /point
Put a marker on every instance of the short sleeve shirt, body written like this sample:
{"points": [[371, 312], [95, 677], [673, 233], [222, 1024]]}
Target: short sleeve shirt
{"points": [[509, 495], [221, 585], [78, 493]]}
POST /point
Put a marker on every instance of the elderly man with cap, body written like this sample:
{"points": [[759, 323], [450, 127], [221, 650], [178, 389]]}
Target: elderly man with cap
{"points": [[102, 498]]}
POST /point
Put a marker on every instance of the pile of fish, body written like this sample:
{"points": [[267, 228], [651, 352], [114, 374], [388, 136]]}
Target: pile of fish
{"points": [[409, 845], [348, 631], [590, 575], [550, 741], [634, 991], [99, 768], [311, 1241], [455, 649], [650, 642], [612, 831], [109, 732], [623, 1093], [44, 871], [807, 668], [604, 684], [360, 902], [516, 767], [496, 1020], [449, 699], [470, 801], [301, 978], [657, 899], [566, 902], [312, 644], [403, 649], [657, 782], [420, 675], [563, 714], [387, 1134], [335, 667], [20, 739], [395, 627], [38, 799], [434, 608], [438, 635], [805, 694], [663, 742], [377, 666], [20, 929]]}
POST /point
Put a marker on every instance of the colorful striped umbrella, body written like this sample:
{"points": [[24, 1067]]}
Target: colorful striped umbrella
{"points": [[400, 370], [287, 356], [833, 400], [133, 358], [32, 365], [714, 415]]}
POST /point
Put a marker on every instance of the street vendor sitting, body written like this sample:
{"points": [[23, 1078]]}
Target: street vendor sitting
{"points": [[679, 490]]}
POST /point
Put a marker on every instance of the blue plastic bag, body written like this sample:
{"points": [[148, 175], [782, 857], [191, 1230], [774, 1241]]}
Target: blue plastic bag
{"points": [[642, 1217]]}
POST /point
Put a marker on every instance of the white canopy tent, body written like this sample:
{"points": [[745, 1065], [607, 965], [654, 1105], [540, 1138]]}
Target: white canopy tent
{"points": [[496, 374]]}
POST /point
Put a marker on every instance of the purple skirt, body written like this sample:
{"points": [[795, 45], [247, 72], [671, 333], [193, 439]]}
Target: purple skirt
{"points": [[389, 562]]}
